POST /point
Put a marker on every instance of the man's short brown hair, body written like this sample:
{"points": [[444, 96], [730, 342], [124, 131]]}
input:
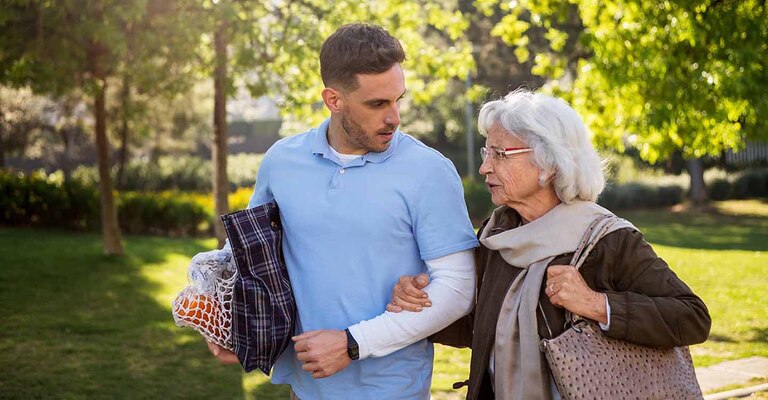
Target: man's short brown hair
{"points": [[357, 49]]}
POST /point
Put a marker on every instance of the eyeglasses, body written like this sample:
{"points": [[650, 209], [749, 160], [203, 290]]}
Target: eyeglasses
{"points": [[498, 153]]}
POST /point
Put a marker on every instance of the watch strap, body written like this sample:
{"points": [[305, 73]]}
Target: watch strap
{"points": [[353, 350]]}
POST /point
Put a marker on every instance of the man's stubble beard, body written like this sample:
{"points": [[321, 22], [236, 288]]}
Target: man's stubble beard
{"points": [[357, 136]]}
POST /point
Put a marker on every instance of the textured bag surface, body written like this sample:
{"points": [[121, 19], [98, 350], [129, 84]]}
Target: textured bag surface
{"points": [[586, 364], [263, 307]]}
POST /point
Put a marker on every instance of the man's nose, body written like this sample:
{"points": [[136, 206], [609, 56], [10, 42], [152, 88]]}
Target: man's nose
{"points": [[393, 115]]}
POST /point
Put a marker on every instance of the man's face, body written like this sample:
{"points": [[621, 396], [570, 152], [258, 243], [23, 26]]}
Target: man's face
{"points": [[370, 114]]}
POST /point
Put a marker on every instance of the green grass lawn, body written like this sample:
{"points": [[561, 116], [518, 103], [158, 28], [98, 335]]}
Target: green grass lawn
{"points": [[76, 324]]}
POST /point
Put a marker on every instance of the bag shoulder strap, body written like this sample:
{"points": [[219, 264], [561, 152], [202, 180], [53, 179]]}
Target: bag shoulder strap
{"points": [[596, 230]]}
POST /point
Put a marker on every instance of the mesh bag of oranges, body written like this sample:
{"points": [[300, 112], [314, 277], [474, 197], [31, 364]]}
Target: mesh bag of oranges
{"points": [[206, 303]]}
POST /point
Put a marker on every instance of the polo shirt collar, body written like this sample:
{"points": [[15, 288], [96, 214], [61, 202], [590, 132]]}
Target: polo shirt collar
{"points": [[321, 147]]}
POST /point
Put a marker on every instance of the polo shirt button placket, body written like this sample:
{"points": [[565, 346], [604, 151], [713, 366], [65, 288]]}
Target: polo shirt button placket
{"points": [[336, 180]]}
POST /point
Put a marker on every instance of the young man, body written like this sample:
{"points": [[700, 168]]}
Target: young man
{"points": [[362, 204]]}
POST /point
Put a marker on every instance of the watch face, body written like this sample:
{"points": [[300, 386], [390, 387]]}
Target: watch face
{"points": [[353, 352]]}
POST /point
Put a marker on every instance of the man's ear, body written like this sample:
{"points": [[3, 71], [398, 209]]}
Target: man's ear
{"points": [[332, 99]]}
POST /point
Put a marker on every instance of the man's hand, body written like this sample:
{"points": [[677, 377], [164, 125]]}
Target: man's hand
{"points": [[566, 288], [323, 353], [407, 294], [225, 356]]}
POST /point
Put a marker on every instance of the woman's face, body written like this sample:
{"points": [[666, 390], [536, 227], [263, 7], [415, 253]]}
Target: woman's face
{"points": [[514, 180]]}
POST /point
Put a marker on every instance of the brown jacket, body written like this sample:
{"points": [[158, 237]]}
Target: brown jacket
{"points": [[649, 304]]}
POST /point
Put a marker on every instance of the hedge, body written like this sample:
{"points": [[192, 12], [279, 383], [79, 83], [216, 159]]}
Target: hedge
{"points": [[639, 195], [40, 201], [478, 200], [33, 200], [178, 173], [47, 201], [752, 183]]}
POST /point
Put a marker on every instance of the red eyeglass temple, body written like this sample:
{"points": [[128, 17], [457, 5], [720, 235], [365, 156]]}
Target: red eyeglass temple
{"points": [[514, 148]]}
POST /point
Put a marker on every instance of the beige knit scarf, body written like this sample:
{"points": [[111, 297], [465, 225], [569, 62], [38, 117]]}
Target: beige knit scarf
{"points": [[519, 369]]}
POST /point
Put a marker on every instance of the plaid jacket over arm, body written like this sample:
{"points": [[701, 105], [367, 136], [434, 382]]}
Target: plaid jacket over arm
{"points": [[263, 307]]}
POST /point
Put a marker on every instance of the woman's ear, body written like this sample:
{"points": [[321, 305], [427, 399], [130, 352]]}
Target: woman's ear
{"points": [[332, 100], [543, 178]]}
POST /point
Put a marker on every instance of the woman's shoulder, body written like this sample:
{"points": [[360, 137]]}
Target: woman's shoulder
{"points": [[621, 253], [621, 240]]}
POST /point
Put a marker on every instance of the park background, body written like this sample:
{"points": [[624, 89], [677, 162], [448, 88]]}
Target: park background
{"points": [[127, 126]]}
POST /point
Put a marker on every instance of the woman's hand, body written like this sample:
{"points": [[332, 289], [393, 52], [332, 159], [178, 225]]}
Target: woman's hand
{"points": [[407, 294], [566, 288]]}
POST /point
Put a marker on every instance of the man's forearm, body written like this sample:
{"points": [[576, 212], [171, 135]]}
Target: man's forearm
{"points": [[451, 290]]}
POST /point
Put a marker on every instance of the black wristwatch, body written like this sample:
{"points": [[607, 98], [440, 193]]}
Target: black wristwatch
{"points": [[353, 351]]}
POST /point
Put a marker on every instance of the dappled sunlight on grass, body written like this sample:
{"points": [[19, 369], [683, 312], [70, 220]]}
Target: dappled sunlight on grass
{"points": [[95, 328], [451, 365], [170, 275], [732, 283], [704, 230], [744, 208], [83, 325], [256, 386]]}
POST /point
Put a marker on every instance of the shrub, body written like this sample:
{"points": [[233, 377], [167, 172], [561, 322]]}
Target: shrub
{"points": [[478, 200], [669, 195], [166, 213], [239, 199], [720, 189], [751, 183], [35, 200], [181, 173], [242, 169], [169, 173], [640, 195], [31, 199]]}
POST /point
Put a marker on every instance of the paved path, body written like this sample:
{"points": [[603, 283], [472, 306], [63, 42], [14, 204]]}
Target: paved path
{"points": [[736, 372]]}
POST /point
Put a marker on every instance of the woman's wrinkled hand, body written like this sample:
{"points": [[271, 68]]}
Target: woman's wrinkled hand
{"points": [[566, 288], [407, 295]]}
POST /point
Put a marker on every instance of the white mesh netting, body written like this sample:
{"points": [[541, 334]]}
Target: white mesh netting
{"points": [[206, 304]]}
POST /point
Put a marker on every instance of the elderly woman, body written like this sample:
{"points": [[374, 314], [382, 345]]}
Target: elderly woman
{"points": [[545, 176]]}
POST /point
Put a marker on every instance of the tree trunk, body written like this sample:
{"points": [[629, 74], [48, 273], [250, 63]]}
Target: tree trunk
{"points": [[219, 149], [66, 155], [698, 192], [2, 154], [125, 99], [109, 226]]}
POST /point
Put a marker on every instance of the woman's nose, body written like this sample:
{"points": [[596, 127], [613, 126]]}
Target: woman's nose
{"points": [[487, 166]]}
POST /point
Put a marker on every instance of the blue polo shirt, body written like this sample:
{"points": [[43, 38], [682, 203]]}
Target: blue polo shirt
{"points": [[349, 233]]}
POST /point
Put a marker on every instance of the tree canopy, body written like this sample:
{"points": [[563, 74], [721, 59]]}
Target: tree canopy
{"points": [[669, 76], [666, 77]]}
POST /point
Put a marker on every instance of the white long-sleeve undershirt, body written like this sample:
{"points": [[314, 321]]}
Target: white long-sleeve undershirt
{"points": [[451, 290]]}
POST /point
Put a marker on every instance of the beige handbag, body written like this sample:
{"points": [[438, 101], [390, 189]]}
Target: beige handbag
{"points": [[586, 364]]}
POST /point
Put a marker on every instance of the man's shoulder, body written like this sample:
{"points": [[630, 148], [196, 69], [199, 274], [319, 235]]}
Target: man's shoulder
{"points": [[289, 146], [293, 141], [426, 156]]}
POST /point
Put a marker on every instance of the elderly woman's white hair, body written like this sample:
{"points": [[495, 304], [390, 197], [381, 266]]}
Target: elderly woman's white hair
{"points": [[558, 138]]}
